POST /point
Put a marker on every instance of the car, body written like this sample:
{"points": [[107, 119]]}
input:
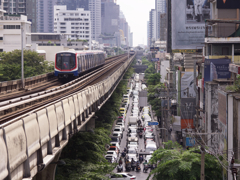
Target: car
{"points": [[150, 147], [149, 136], [123, 176], [148, 129], [135, 108], [115, 144], [132, 150], [132, 126], [115, 139], [121, 118], [150, 141], [117, 129], [120, 126], [117, 134], [135, 111], [135, 100], [111, 159], [148, 157], [133, 137], [135, 103], [132, 130], [114, 148], [135, 92], [135, 146]]}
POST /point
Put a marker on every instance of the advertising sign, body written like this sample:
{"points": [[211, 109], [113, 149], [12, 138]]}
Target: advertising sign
{"points": [[155, 59], [188, 26], [190, 141], [228, 4], [150, 123], [216, 69], [188, 111], [187, 85]]}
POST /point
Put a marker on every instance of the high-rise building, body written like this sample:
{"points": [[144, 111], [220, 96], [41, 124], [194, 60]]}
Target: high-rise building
{"points": [[152, 26], [45, 17], [110, 18], [74, 22], [94, 6], [148, 34], [160, 7]]}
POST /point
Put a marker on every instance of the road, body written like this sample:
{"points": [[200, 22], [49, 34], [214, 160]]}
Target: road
{"points": [[140, 175]]}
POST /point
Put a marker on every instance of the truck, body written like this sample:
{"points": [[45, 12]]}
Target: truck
{"points": [[133, 120]]}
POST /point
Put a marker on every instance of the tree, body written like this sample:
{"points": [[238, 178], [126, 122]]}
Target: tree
{"points": [[34, 64], [178, 164]]}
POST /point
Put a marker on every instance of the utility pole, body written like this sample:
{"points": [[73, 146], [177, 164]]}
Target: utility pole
{"points": [[168, 114], [202, 163], [22, 58]]}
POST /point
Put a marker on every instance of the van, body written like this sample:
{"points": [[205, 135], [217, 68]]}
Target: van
{"points": [[151, 147]]}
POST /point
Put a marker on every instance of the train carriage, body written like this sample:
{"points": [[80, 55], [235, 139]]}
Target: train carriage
{"points": [[73, 63]]}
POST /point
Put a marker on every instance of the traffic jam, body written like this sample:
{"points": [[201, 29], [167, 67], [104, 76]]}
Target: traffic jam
{"points": [[133, 137]]}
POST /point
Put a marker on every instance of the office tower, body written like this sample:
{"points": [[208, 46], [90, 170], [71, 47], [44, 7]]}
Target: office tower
{"points": [[160, 7], [152, 26], [74, 22]]}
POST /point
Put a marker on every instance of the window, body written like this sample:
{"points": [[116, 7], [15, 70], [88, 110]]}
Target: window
{"points": [[1, 38], [63, 23], [1, 50], [11, 27], [72, 23]]}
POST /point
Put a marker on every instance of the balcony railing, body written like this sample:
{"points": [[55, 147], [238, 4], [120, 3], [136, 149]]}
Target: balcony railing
{"points": [[222, 28]]}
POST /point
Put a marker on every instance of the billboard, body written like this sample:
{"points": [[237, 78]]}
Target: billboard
{"points": [[155, 59], [228, 4], [188, 26], [216, 69], [190, 141], [187, 85], [188, 110]]}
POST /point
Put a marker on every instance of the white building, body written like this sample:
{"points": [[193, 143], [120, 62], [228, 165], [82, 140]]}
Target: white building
{"points": [[95, 9], [11, 34], [76, 23]]}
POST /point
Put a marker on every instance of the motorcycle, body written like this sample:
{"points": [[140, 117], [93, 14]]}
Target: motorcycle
{"points": [[153, 167], [138, 168], [133, 165], [128, 167], [120, 168], [145, 168], [123, 154]]}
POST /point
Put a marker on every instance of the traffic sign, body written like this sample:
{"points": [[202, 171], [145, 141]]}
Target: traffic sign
{"points": [[155, 59], [190, 141], [150, 123]]}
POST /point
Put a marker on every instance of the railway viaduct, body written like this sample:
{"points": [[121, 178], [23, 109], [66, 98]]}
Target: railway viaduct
{"points": [[31, 145]]}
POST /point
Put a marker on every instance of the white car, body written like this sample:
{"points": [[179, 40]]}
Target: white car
{"points": [[120, 126], [135, 146], [132, 151], [117, 134], [133, 137], [134, 156], [117, 129], [123, 176], [111, 159]]}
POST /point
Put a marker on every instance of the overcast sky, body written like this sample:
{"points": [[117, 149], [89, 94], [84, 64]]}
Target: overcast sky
{"points": [[137, 14]]}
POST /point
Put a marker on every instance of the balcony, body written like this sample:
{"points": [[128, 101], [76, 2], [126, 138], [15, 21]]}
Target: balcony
{"points": [[236, 58], [222, 31]]}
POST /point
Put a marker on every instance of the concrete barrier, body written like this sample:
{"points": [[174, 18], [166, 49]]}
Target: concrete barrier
{"points": [[16, 144], [4, 158], [33, 144]]}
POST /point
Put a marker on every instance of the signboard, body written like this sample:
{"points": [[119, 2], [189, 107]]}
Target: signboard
{"points": [[216, 69], [190, 141], [228, 4], [234, 68], [150, 123], [188, 110], [155, 59], [154, 48], [187, 85], [188, 26]]}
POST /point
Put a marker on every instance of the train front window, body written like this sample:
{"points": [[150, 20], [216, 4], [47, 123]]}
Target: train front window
{"points": [[66, 61]]}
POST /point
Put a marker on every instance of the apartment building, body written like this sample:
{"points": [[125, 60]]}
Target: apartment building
{"points": [[76, 23]]}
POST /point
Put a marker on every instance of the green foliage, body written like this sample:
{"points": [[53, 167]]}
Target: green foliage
{"points": [[183, 165], [172, 145], [236, 86], [34, 64]]}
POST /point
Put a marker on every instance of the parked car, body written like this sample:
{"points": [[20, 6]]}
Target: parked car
{"points": [[115, 139], [111, 158], [117, 134], [114, 148], [115, 144], [120, 125], [123, 176]]}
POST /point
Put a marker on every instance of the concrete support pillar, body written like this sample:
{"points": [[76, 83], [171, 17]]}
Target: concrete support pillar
{"points": [[49, 171], [230, 130], [90, 124], [232, 53]]}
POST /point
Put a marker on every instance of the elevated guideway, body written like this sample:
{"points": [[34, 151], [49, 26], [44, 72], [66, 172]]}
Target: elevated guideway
{"points": [[30, 145]]}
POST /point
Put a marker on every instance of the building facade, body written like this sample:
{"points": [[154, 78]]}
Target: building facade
{"points": [[76, 23], [45, 15], [11, 35], [160, 7]]}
